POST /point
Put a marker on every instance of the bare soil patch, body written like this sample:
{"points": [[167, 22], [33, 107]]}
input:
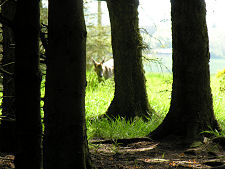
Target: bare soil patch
{"points": [[144, 153]]}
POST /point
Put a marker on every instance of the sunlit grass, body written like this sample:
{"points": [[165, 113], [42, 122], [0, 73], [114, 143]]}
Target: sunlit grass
{"points": [[159, 87], [218, 101], [121, 128], [42, 96], [98, 95]]}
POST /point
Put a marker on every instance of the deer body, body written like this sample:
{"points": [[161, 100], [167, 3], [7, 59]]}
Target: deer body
{"points": [[104, 69]]}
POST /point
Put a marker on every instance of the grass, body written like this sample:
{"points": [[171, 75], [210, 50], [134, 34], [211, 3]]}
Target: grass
{"points": [[159, 87], [219, 99], [119, 128], [99, 96]]}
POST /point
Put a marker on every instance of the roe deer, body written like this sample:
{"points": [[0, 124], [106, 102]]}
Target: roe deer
{"points": [[104, 69]]}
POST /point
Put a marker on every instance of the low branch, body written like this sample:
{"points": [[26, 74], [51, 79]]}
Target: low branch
{"points": [[2, 2], [7, 118], [6, 72]]}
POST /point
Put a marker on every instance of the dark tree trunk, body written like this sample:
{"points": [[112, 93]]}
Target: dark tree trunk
{"points": [[65, 142], [7, 142], [27, 85], [191, 110], [130, 98]]}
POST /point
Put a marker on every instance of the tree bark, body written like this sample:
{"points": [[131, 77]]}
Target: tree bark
{"points": [[130, 97], [191, 109], [27, 85], [8, 64], [65, 141]]}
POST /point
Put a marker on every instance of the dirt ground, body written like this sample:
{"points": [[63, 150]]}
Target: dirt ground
{"points": [[142, 153], [6, 161]]}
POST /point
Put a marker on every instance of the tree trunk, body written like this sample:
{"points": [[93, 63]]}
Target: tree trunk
{"points": [[191, 109], [65, 141], [27, 85], [8, 102], [130, 97]]}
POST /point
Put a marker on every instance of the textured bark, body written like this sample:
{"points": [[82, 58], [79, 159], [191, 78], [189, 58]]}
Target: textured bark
{"points": [[191, 110], [130, 98], [8, 102], [65, 142], [27, 85]]}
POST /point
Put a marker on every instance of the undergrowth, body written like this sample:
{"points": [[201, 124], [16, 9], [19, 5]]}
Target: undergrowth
{"points": [[159, 87]]}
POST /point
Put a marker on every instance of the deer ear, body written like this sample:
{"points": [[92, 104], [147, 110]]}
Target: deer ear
{"points": [[95, 63], [102, 61]]}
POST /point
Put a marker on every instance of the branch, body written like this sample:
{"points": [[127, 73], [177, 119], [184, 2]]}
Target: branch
{"points": [[5, 118], [6, 72], [2, 2]]}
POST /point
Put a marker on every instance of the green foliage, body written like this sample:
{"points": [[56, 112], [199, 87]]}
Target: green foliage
{"points": [[215, 133], [92, 80], [159, 87], [42, 95], [120, 128], [220, 73], [98, 43], [221, 76], [43, 14], [98, 36], [222, 84], [99, 96], [218, 98]]}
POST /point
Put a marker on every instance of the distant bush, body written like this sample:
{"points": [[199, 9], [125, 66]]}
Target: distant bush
{"points": [[220, 73], [221, 76], [222, 83]]}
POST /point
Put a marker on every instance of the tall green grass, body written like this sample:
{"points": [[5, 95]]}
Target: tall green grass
{"points": [[99, 96], [218, 99], [159, 87]]}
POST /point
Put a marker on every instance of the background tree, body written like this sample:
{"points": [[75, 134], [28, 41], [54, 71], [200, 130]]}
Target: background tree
{"points": [[98, 44], [8, 65], [191, 109], [65, 142], [130, 97], [98, 36], [43, 36], [43, 13], [27, 85]]}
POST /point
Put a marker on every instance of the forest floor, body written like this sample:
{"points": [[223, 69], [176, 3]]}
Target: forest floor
{"points": [[6, 161], [144, 153]]}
